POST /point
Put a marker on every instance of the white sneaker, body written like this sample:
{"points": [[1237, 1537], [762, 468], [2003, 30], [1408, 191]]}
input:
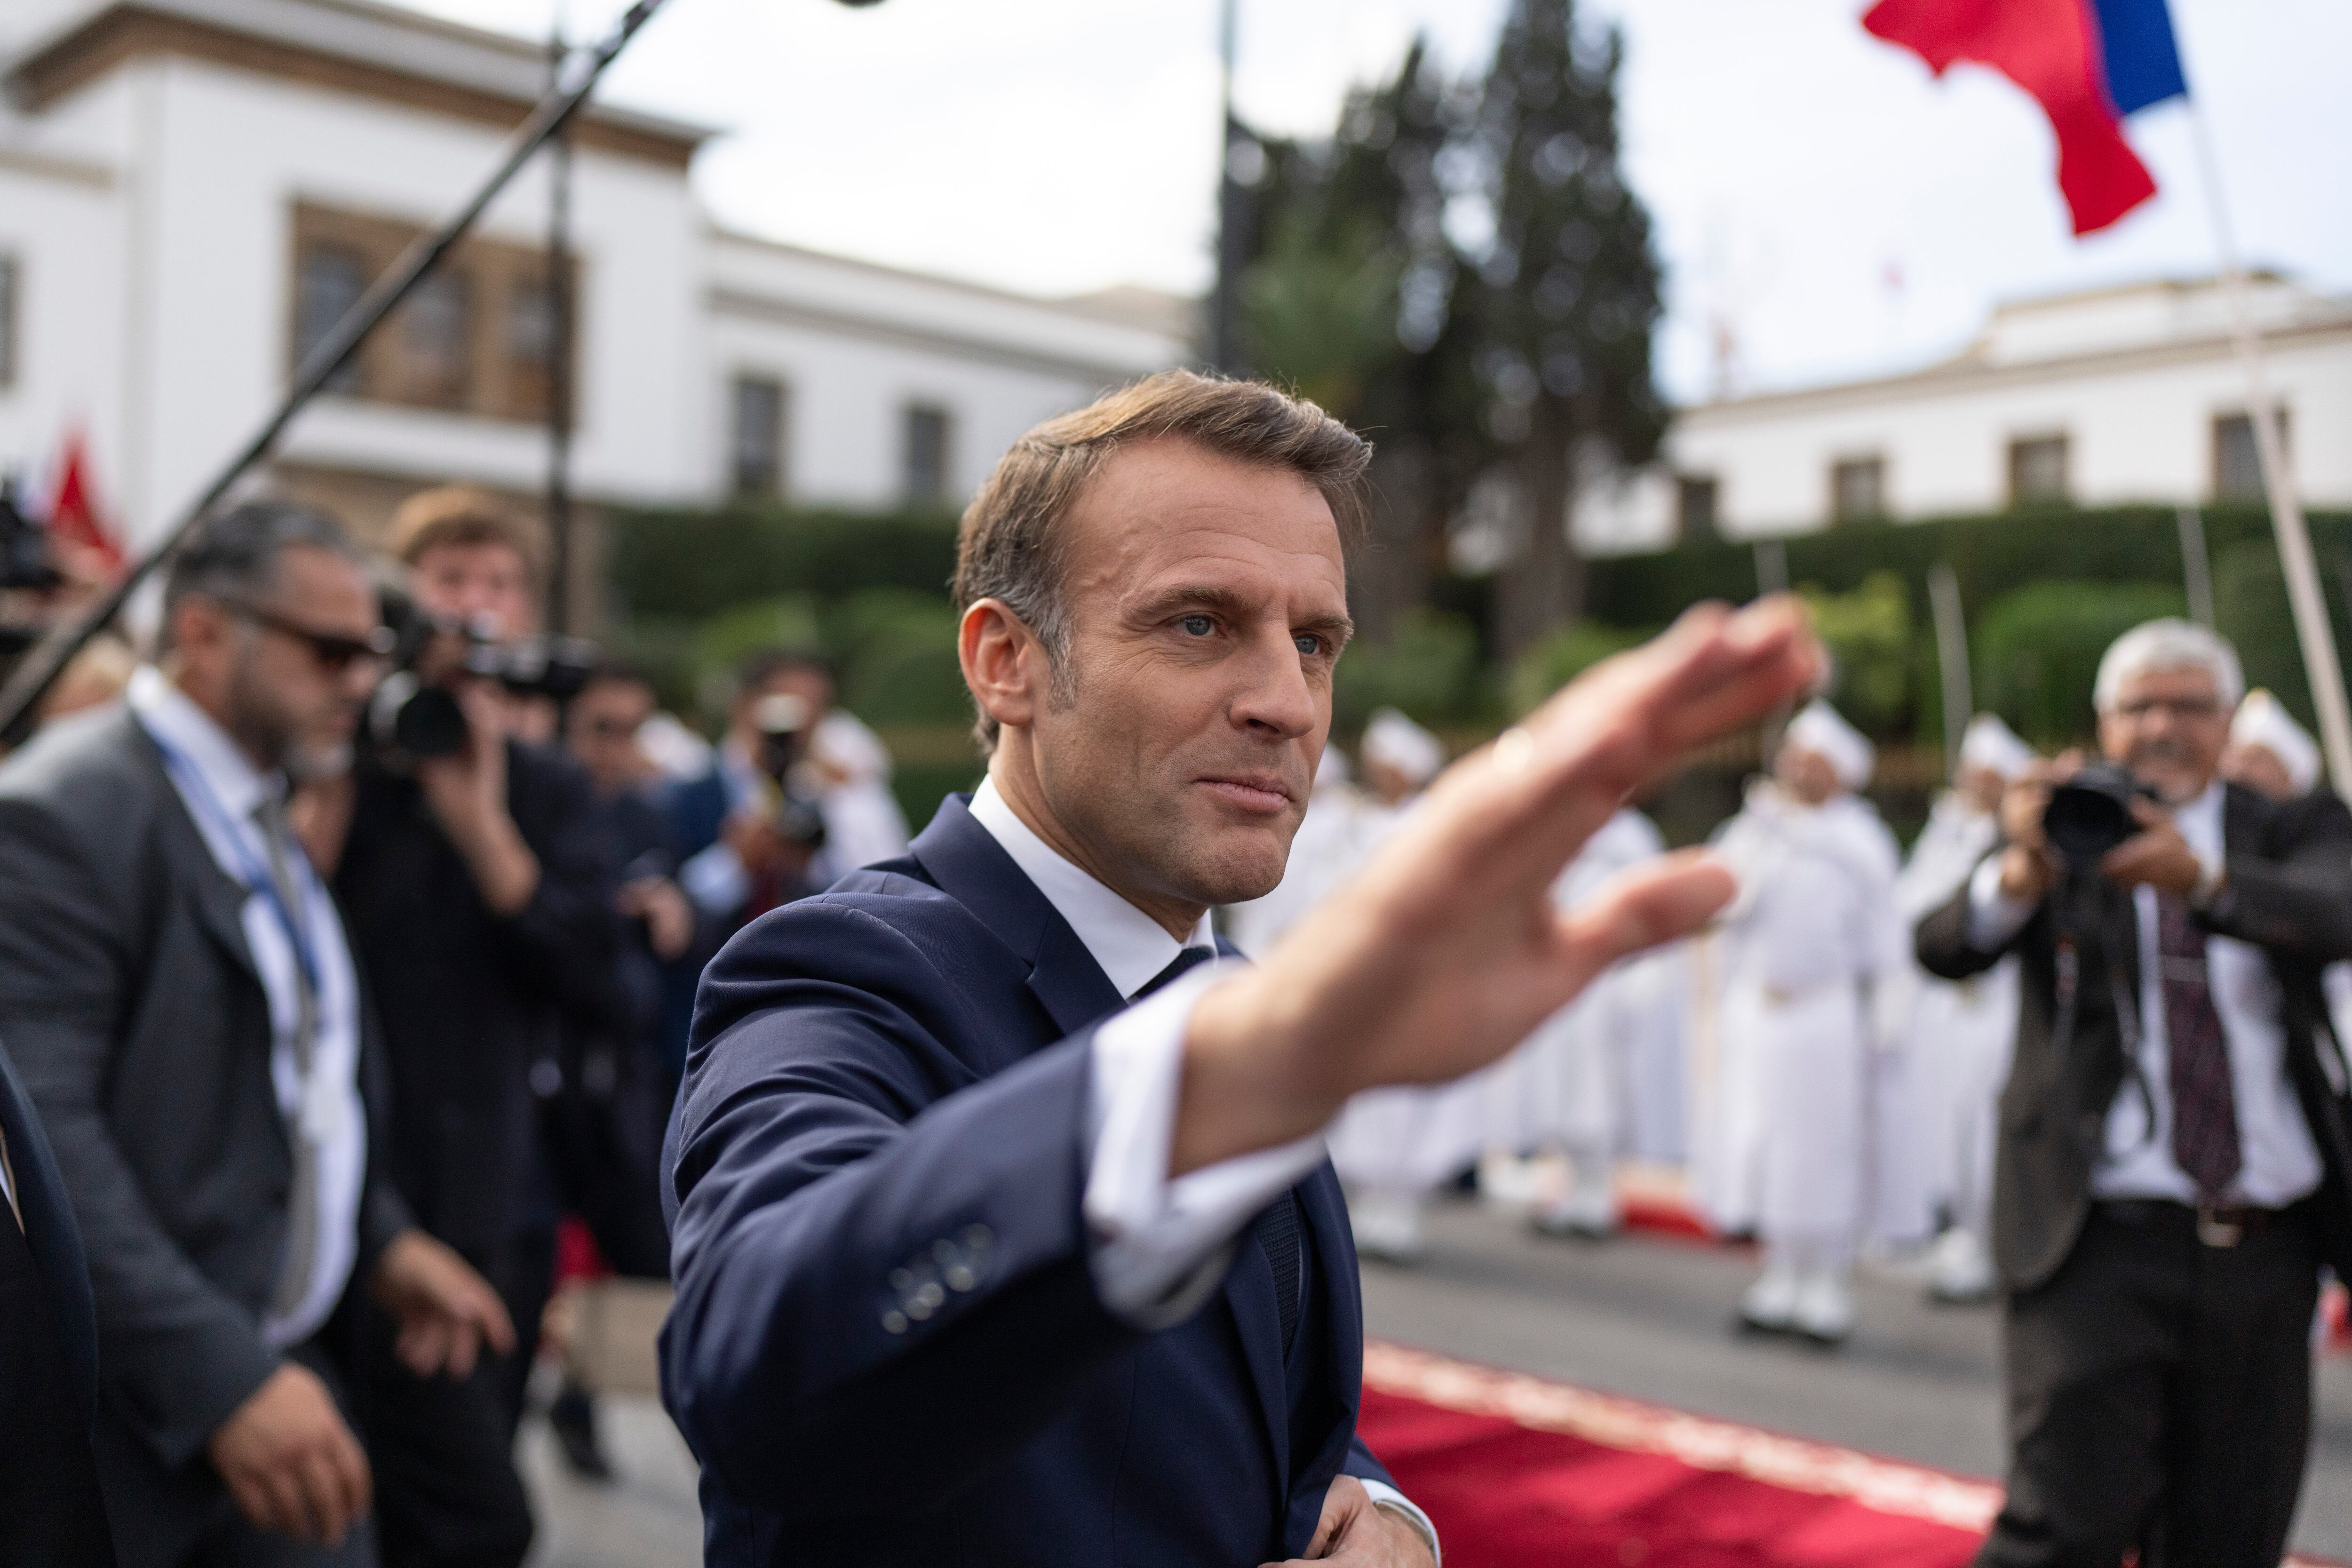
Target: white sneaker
{"points": [[1824, 1307], [1961, 1269], [1769, 1305], [1506, 1181], [1388, 1226]]}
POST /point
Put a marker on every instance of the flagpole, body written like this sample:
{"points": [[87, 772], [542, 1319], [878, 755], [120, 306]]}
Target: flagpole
{"points": [[2313, 629]]}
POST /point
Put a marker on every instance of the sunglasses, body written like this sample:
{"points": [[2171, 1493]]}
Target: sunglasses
{"points": [[335, 652]]}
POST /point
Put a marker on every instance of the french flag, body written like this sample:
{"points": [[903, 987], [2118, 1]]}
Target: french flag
{"points": [[2089, 63]]}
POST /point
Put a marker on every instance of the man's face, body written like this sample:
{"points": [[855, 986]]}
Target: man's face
{"points": [[2169, 727], [1806, 775], [1207, 605], [602, 728], [1980, 787], [485, 585], [292, 701]]}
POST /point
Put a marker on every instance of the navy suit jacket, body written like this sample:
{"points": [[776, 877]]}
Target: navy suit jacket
{"points": [[54, 1238], [887, 1346]]}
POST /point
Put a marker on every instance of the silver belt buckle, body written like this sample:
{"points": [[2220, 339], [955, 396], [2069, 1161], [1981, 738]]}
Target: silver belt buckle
{"points": [[2215, 1231]]}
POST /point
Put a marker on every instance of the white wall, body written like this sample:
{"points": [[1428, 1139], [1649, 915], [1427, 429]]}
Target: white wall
{"points": [[2140, 431]]}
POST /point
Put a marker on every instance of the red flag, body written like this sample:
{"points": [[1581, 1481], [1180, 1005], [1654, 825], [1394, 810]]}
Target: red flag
{"points": [[2052, 49], [76, 529]]}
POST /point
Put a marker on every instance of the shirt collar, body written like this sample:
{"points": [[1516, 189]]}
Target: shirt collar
{"points": [[1131, 946], [193, 735], [2200, 822]]}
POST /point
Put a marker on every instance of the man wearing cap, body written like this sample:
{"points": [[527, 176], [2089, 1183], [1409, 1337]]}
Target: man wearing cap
{"points": [[1811, 945], [2174, 1135], [1961, 1031]]}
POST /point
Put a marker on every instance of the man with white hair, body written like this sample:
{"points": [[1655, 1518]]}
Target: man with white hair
{"points": [[1961, 1031], [2175, 1136], [1807, 955]]}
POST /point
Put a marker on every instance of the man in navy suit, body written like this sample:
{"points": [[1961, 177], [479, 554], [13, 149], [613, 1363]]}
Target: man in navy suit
{"points": [[51, 1511], [996, 1241]]}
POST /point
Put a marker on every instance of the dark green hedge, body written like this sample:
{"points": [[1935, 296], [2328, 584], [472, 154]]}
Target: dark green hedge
{"points": [[697, 563]]}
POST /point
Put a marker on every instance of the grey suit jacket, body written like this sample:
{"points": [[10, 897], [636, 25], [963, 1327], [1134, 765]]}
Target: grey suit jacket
{"points": [[140, 1027]]}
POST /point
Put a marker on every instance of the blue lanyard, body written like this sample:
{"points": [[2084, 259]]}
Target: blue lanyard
{"points": [[255, 879]]}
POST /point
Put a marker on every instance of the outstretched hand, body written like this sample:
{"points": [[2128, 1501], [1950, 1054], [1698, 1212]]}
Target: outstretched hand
{"points": [[1447, 950]]}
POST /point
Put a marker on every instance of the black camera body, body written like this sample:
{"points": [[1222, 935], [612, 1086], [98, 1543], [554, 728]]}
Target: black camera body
{"points": [[783, 722], [410, 715], [2091, 814]]}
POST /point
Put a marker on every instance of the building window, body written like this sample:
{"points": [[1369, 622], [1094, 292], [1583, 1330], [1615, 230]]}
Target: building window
{"points": [[436, 344], [927, 433], [2037, 471], [328, 281], [1695, 503], [476, 336], [2237, 462], [1857, 488], [758, 459]]}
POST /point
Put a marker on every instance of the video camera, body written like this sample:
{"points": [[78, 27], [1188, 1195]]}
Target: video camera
{"points": [[2091, 814], [782, 720], [421, 718]]}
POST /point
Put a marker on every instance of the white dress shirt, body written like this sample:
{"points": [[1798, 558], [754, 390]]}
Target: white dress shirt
{"points": [[221, 790], [1161, 1245], [2280, 1163]]}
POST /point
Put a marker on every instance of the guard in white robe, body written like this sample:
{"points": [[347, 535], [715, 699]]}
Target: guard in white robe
{"points": [[1393, 1146], [1811, 945], [1569, 1086], [1961, 1033]]}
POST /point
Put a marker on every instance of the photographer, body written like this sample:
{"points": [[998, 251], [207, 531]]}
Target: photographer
{"points": [[750, 829], [480, 894], [2175, 1137]]}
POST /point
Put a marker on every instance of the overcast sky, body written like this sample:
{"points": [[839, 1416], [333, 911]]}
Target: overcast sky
{"points": [[1796, 167]]}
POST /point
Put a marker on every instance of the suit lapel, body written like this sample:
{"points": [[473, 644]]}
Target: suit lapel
{"points": [[219, 902], [50, 1234], [967, 864]]}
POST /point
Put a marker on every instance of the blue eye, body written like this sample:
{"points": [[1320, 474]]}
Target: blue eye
{"points": [[1197, 625], [1308, 644]]}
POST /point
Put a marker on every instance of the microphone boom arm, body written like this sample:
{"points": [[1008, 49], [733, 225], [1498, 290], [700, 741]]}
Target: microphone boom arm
{"points": [[20, 697]]}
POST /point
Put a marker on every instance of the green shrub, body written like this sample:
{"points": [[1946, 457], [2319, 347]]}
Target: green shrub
{"points": [[2038, 648], [698, 563], [1564, 655], [1430, 671], [1868, 633]]}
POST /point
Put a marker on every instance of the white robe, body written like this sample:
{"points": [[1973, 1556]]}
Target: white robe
{"points": [[1962, 1033], [1807, 956], [1571, 1083]]}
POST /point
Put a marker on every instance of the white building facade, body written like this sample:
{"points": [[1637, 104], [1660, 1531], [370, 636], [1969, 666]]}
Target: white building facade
{"points": [[2122, 396], [191, 190]]}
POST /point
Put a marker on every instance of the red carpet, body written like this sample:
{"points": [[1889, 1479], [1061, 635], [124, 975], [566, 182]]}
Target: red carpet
{"points": [[1518, 1473]]}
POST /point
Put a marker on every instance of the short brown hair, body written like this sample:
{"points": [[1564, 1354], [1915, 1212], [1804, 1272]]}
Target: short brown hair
{"points": [[1008, 546], [466, 514]]}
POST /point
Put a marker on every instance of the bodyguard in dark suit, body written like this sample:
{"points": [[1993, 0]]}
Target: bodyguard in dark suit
{"points": [[184, 1012], [2176, 1140], [978, 1262], [50, 1510]]}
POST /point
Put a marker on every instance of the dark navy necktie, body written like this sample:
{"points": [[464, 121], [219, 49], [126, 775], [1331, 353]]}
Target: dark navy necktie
{"points": [[1278, 1228]]}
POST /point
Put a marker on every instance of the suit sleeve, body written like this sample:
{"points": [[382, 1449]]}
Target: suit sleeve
{"points": [[178, 1354], [1942, 941], [882, 1267], [2301, 900]]}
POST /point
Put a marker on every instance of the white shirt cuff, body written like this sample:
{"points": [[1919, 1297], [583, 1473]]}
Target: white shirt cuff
{"points": [[1163, 1246], [1386, 1496], [1993, 916]]}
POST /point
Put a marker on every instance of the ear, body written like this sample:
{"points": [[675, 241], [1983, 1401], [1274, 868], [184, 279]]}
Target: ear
{"points": [[1004, 663]]}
